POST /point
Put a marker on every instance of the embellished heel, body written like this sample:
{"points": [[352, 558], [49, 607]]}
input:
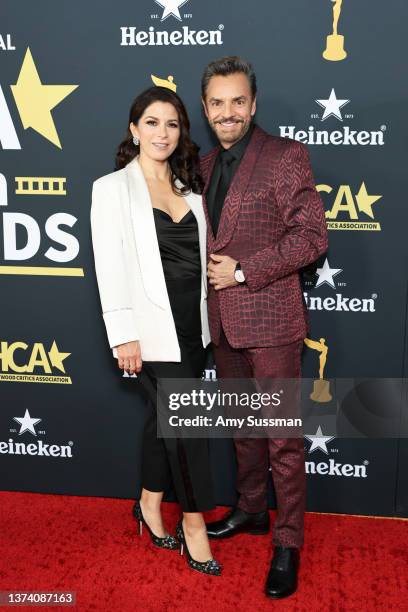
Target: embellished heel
{"points": [[206, 567], [167, 541]]}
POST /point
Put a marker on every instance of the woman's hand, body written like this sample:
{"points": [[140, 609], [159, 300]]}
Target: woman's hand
{"points": [[129, 357]]}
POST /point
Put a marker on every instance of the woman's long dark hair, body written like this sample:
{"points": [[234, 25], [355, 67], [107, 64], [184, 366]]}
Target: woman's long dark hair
{"points": [[184, 161]]}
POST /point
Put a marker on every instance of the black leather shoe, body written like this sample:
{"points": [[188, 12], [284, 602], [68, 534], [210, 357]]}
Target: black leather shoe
{"points": [[238, 521], [282, 577]]}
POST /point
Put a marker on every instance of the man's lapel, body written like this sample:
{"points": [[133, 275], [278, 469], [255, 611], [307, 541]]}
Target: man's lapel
{"points": [[237, 189]]}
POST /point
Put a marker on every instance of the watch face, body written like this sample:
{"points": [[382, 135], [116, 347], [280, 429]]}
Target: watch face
{"points": [[239, 276]]}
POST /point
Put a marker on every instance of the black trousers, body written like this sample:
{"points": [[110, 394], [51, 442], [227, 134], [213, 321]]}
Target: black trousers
{"points": [[183, 461]]}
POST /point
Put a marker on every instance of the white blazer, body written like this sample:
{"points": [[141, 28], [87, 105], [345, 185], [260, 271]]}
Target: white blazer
{"points": [[129, 271]]}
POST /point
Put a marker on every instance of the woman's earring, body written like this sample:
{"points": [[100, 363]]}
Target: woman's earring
{"points": [[136, 141]]}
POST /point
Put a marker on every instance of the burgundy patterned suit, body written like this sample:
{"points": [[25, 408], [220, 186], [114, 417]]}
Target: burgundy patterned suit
{"points": [[273, 222]]}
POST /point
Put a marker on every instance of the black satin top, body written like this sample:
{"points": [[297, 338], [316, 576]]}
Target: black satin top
{"points": [[180, 255]]}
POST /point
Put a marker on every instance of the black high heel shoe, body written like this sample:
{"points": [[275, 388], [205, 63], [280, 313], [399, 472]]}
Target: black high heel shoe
{"points": [[206, 567], [168, 541]]}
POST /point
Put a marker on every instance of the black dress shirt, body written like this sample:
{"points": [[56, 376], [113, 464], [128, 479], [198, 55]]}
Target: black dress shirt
{"points": [[225, 166]]}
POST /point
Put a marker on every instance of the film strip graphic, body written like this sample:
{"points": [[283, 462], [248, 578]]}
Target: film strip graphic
{"points": [[40, 185]]}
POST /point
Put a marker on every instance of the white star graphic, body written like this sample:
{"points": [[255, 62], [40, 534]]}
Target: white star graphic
{"points": [[27, 423], [319, 441], [171, 7], [326, 274], [332, 106]]}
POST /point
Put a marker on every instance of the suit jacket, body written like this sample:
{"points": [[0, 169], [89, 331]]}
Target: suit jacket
{"points": [[273, 222], [132, 287]]}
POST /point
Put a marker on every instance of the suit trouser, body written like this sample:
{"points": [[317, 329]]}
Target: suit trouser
{"points": [[185, 462], [254, 456]]}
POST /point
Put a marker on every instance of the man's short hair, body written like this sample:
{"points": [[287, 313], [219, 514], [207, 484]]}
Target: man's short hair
{"points": [[225, 66]]}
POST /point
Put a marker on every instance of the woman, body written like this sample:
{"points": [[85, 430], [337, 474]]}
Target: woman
{"points": [[148, 234]]}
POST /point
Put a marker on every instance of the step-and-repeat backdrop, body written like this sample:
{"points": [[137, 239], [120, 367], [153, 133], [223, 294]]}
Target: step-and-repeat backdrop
{"points": [[330, 74]]}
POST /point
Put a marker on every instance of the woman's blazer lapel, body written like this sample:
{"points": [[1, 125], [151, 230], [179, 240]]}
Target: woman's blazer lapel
{"points": [[144, 229]]}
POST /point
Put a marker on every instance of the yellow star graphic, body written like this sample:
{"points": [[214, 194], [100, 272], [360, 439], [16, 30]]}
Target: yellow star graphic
{"points": [[35, 100], [365, 201], [56, 357]]}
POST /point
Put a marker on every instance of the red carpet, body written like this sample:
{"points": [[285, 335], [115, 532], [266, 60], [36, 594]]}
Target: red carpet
{"points": [[90, 545]]}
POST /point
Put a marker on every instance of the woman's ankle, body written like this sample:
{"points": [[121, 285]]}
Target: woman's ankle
{"points": [[151, 501], [193, 529]]}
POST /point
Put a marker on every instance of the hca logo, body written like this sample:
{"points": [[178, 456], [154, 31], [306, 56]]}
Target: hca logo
{"points": [[348, 210], [21, 362]]}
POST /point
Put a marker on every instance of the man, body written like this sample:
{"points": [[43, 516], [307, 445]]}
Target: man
{"points": [[265, 222]]}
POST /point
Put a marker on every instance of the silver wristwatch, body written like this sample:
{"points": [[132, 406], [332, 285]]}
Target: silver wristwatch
{"points": [[238, 274]]}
